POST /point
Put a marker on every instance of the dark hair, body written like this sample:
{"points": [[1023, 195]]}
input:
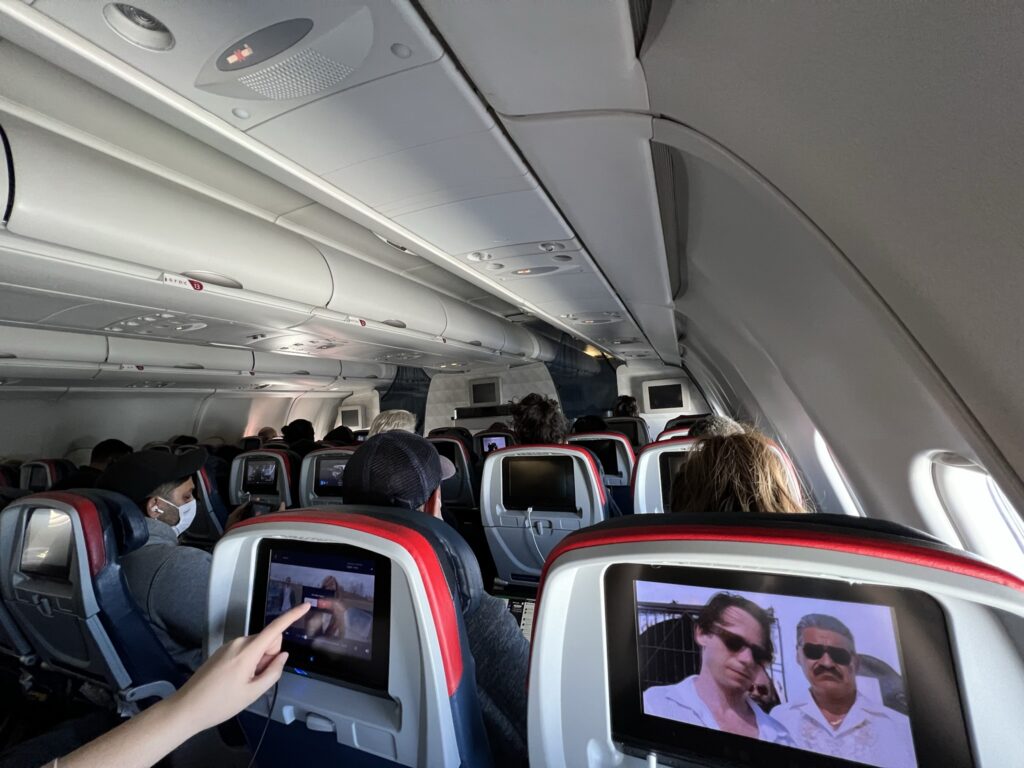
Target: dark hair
{"points": [[711, 614], [106, 451], [625, 405], [738, 473], [184, 440], [341, 436], [300, 429], [585, 424], [538, 420], [498, 426], [824, 621]]}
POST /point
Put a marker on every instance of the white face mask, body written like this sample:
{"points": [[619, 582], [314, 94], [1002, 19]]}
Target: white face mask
{"points": [[186, 514]]}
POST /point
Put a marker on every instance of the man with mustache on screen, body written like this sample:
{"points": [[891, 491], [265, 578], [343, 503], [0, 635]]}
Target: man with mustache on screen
{"points": [[734, 636], [837, 719]]}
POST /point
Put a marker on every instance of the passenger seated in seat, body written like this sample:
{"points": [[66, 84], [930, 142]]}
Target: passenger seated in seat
{"points": [[386, 421], [168, 581], [340, 436], [712, 425], [738, 473], [104, 453], [300, 436], [266, 434], [586, 424], [399, 469], [625, 405], [538, 420]]}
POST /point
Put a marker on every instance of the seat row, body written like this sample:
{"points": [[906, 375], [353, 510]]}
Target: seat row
{"points": [[382, 670]]}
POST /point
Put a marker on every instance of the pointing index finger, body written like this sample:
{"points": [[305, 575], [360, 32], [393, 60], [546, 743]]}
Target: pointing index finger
{"points": [[274, 629]]}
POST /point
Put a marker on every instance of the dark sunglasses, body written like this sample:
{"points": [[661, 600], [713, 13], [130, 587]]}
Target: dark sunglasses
{"points": [[734, 644], [840, 656]]}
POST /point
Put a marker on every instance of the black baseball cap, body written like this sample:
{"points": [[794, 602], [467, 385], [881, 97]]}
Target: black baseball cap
{"points": [[395, 469], [139, 474]]}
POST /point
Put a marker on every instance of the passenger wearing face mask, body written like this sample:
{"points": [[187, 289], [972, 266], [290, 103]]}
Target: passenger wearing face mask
{"points": [[167, 580]]}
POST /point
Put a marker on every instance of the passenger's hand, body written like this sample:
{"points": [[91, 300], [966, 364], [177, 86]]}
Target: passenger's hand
{"points": [[236, 675]]}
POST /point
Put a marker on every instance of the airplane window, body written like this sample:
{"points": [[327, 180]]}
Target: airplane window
{"points": [[984, 518]]}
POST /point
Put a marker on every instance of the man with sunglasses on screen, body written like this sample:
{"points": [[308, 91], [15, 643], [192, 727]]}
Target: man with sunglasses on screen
{"points": [[734, 637], [836, 719]]}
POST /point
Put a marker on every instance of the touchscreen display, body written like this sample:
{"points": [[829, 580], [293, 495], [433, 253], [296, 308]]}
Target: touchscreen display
{"points": [[788, 668], [494, 443], [606, 453], [627, 428], [669, 464], [37, 479], [47, 548], [260, 476], [345, 635], [543, 483], [328, 476]]}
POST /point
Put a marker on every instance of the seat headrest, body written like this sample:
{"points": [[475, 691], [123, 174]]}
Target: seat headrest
{"points": [[456, 556], [126, 520]]}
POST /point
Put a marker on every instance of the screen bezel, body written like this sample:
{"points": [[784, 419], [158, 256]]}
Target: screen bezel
{"points": [[261, 489], [371, 675], [334, 491], [61, 573], [937, 724], [506, 485], [494, 381]]}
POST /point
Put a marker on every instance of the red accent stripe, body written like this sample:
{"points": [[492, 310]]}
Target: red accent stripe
{"points": [[884, 549], [89, 517], [439, 596]]}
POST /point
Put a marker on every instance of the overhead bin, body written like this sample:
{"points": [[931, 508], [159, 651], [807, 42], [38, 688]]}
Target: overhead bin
{"points": [[76, 196], [355, 370], [166, 354], [17, 342], [371, 293], [295, 365]]}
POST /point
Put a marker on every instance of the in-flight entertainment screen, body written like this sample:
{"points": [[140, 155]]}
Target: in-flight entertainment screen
{"points": [[493, 443], [827, 672], [329, 472], [543, 483], [346, 634], [260, 476], [47, 547]]}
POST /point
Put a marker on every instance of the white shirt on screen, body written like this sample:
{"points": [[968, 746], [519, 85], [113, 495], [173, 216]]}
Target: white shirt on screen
{"points": [[871, 732], [682, 703]]}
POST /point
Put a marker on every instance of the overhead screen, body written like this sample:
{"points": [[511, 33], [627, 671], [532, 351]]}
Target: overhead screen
{"points": [[48, 544], [260, 476], [665, 396], [542, 483], [345, 636], [329, 473], [779, 670]]}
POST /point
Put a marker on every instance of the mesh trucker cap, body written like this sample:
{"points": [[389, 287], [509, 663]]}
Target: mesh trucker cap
{"points": [[395, 469]]}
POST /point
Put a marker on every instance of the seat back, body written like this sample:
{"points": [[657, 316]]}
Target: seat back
{"points": [[211, 512], [656, 466], [322, 470], [533, 496], [250, 443], [62, 583], [633, 427], [493, 440], [614, 455], [939, 628], [266, 478], [158, 445], [407, 582], [460, 489], [10, 477], [673, 434], [40, 474]]}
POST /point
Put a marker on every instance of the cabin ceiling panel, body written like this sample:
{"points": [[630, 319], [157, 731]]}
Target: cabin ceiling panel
{"points": [[488, 222], [896, 128], [350, 43], [512, 49]]}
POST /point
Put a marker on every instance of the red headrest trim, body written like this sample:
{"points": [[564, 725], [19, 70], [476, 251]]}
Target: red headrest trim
{"points": [[587, 456], [89, 517], [856, 545], [439, 596]]}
